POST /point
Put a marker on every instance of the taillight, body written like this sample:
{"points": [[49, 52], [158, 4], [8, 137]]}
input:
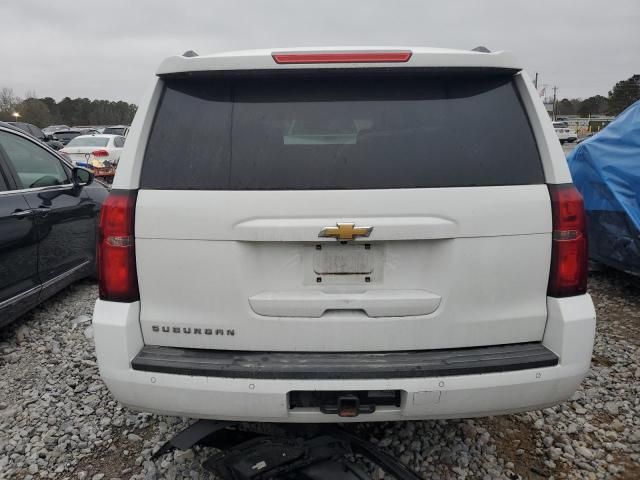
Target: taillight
{"points": [[342, 57], [569, 257], [117, 277], [100, 153]]}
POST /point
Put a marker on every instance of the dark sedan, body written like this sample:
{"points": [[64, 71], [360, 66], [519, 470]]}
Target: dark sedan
{"points": [[48, 221], [41, 135]]}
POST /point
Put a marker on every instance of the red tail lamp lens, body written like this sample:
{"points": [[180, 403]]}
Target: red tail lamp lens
{"points": [[117, 276], [569, 257]]}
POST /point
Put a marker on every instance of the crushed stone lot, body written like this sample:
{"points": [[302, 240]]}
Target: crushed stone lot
{"points": [[58, 420]]}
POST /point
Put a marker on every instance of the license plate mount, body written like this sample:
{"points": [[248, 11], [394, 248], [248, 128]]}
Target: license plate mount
{"points": [[344, 259]]}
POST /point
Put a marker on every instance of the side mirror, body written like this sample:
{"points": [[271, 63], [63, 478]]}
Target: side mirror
{"points": [[81, 177]]}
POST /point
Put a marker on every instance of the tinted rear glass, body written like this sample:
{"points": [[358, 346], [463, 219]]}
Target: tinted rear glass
{"points": [[66, 135], [88, 142], [340, 133], [114, 131]]}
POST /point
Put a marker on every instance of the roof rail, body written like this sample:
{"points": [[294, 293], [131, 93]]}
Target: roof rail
{"points": [[482, 49], [189, 53]]}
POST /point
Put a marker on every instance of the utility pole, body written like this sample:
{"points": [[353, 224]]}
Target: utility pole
{"points": [[535, 82], [554, 102]]}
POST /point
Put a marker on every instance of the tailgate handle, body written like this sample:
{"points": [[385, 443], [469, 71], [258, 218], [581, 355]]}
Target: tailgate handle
{"points": [[376, 228], [375, 303]]}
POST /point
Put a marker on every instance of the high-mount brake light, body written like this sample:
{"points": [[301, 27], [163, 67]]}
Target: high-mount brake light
{"points": [[117, 276], [569, 257], [341, 57]]}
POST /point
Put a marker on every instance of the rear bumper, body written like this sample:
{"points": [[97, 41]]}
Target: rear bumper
{"points": [[343, 366], [554, 376]]}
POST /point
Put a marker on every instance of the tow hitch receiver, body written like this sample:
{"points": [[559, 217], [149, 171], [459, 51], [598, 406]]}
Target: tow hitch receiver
{"points": [[348, 406], [345, 403]]}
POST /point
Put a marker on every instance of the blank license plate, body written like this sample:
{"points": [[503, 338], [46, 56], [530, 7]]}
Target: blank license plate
{"points": [[343, 260]]}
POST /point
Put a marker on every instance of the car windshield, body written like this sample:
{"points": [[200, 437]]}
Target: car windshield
{"points": [[88, 142]]}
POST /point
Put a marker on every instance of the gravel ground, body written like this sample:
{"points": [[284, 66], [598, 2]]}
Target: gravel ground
{"points": [[57, 419]]}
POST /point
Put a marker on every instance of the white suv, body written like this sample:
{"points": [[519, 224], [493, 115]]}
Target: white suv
{"points": [[564, 133], [336, 234]]}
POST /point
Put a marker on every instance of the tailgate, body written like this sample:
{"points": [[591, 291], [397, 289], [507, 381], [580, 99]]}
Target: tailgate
{"points": [[435, 272]]}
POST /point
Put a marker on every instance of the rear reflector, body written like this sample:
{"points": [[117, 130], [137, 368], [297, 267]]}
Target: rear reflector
{"points": [[117, 276], [342, 57], [569, 257]]}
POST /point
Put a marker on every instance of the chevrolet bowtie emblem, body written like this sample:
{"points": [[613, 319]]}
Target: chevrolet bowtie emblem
{"points": [[345, 231]]}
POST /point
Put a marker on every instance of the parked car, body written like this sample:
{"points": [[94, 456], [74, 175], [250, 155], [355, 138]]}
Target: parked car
{"points": [[564, 133], [45, 138], [606, 170], [116, 130], [48, 221], [55, 128], [65, 136], [89, 149], [378, 261]]}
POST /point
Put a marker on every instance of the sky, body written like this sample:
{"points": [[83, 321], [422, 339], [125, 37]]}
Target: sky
{"points": [[110, 50]]}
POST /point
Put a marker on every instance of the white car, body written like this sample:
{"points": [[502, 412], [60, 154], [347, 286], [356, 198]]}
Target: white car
{"points": [[313, 235], [94, 150], [564, 133]]}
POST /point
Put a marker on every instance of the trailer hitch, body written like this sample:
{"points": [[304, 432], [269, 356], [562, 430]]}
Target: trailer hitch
{"points": [[347, 406]]}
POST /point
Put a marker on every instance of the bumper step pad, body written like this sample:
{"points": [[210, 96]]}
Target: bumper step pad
{"points": [[340, 366]]}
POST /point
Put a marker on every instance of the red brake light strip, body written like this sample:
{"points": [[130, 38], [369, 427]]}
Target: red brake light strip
{"points": [[342, 57]]}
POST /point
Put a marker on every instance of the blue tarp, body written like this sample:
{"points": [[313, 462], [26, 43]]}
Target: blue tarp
{"points": [[606, 170]]}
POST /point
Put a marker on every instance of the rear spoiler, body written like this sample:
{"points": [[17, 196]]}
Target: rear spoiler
{"points": [[348, 58]]}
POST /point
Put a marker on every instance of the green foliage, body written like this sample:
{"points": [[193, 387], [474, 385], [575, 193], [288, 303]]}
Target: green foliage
{"points": [[565, 107], [78, 111], [596, 105], [34, 111], [623, 94]]}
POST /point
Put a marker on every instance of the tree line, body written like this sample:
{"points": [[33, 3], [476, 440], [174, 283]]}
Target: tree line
{"points": [[68, 111], [623, 94], [82, 111]]}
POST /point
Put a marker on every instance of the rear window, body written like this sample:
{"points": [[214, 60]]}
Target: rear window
{"points": [[114, 130], [88, 142], [340, 133], [66, 135]]}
